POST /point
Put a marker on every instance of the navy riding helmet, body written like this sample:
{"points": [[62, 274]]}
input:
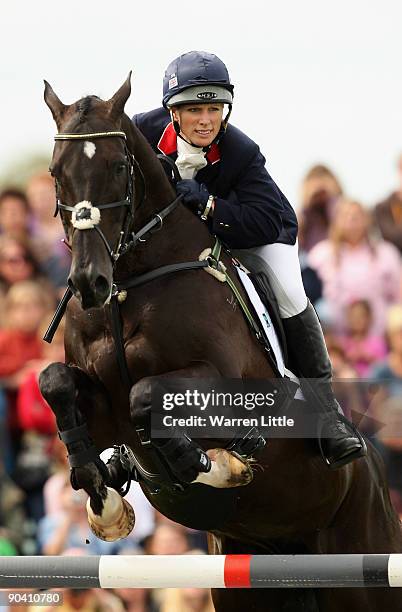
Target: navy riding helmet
{"points": [[197, 77], [204, 73]]}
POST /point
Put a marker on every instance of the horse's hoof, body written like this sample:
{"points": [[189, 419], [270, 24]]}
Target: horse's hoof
{"points": [[116, 521], [227, 470]]}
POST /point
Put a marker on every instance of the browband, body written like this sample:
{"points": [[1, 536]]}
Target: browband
{"points": [[90, 136]]}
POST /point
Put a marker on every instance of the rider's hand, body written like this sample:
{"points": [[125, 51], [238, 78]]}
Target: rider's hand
{"points": [[195, 195]]}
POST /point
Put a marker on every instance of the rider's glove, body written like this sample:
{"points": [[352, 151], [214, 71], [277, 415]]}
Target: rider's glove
{"points": [[195, 195]]}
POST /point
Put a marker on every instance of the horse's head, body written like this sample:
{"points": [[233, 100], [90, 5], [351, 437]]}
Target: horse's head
{"points": [[93, 169]]}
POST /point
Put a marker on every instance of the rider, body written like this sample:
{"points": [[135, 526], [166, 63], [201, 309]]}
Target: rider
{"points": [[224, 179]]}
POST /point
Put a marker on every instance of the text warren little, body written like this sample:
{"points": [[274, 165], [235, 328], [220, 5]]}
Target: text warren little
{"points": [[222, 421]]}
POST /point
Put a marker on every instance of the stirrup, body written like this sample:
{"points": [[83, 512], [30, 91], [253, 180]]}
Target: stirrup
{"points": [[252, 442]]}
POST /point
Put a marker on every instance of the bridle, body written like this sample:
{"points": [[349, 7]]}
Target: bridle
{"points": [[128, 239], [87, 214]]}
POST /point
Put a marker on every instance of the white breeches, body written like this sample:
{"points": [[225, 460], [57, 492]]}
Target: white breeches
{"points": [[280, 262]]}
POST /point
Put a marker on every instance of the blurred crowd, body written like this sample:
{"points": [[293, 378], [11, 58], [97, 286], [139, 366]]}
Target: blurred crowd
{"points": [[351, 258]]}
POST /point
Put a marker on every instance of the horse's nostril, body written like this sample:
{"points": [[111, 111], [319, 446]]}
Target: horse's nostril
{"points": [[102, 286]]}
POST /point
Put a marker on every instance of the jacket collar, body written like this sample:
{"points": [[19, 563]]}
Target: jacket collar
{"points": [[168, 144]]}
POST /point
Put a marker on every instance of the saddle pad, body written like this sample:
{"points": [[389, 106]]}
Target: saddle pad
{"points": [[264, 318]]}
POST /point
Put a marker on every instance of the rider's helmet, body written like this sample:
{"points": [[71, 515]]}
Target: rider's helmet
{"points": [[197, 77]]}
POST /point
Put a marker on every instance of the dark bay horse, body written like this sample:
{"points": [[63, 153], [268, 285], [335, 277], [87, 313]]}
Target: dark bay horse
{"points": [[183, 325]]}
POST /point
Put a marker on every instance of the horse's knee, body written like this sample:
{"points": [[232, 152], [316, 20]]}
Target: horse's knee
{"points": [[56, 383]]}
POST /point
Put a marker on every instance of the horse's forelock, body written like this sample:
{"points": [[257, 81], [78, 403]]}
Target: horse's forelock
{"points": [[84, 106]]}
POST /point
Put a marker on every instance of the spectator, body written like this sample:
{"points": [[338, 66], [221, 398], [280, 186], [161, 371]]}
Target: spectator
{"points": [[311, 281], [17, 262], [5, 458], [12, 515], [52, 491], [137, 600], [389, 372], [320, 191], [168, 539], [25, 308], [34, 412], [389, 441], [354, 267], [20, 347], [361, 347], [38, 425], [88, 600], [388, 214], [341, 367], [349, 393], [48, 231], [187, 600], [14, 214]]}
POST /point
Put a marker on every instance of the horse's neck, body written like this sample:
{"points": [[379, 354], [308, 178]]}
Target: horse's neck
{"points": [[159, 191], [183, 234]]}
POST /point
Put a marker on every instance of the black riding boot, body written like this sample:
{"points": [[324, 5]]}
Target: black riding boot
{"points": [[339, 441]]}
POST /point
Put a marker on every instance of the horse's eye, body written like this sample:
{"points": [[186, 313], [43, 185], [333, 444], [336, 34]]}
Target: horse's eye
{"points": [[120, 168]]}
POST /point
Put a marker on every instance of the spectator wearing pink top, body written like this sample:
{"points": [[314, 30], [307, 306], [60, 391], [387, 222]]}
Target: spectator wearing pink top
{"points": [[352, 266], [362, 348], [320, 191]]}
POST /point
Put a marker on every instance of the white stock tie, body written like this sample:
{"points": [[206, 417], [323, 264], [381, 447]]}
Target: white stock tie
{"points": [[190, 159]]}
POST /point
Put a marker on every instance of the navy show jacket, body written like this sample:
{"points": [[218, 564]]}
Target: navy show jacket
{"points": [[250, 209]]}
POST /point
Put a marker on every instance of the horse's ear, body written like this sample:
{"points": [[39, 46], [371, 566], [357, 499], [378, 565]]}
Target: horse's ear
{"points": [[54, 103], [118, 101]]}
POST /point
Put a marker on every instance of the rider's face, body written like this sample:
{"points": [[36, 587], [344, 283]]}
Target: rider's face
{"points": [[199, 123]]}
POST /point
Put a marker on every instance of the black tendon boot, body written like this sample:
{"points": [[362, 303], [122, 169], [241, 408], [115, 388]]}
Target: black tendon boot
{"points": [[338, 439]]}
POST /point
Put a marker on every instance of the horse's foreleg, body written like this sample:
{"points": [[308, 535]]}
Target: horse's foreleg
{"points": [[61, 385], [188, 461]]}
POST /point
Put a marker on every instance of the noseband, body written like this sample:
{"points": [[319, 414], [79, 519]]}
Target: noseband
{"points": [[87, 216]]}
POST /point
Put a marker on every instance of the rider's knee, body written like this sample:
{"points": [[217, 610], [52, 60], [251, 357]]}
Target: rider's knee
{"points": [[292, 300]]}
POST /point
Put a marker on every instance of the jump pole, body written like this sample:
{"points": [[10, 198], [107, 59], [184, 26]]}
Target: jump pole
{"points": [[207, 571]]}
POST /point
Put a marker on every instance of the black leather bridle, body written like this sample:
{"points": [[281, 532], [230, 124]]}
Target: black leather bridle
{"points": [[128, 239], [127, 202]]}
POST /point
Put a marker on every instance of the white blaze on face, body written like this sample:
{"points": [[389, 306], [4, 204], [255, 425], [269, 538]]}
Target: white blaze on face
{"points": [[89, 149]]}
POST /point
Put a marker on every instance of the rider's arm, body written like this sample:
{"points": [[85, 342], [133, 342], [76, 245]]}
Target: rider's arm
{"points": [[252, 213]]}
